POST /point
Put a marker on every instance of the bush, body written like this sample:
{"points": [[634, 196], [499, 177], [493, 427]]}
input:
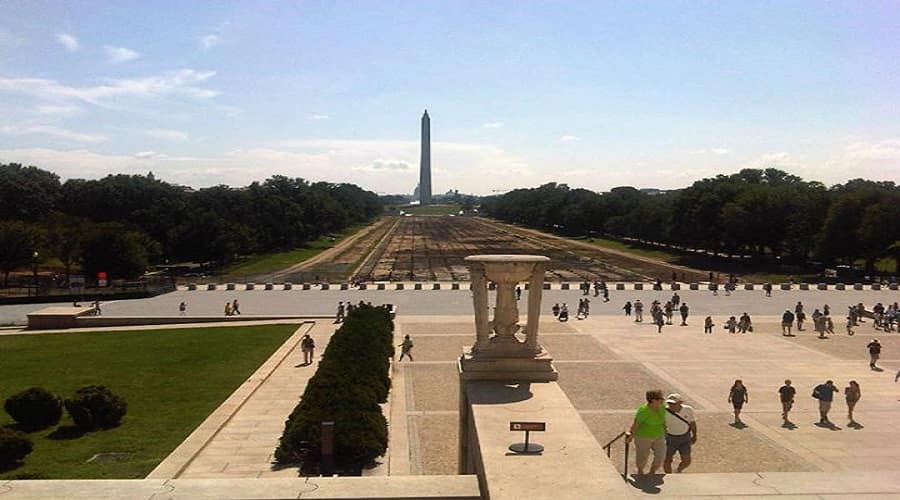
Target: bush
{"points": [[14, 445], [34, 408], [352, 379], [96, 407]]}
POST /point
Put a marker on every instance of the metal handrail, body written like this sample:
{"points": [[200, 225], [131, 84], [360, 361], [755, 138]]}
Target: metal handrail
{"points": [[608, 448]]}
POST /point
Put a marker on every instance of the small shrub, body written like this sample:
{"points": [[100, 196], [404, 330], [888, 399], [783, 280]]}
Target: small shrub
{"points": [[96, 407], [34, 408], [14, 445]]}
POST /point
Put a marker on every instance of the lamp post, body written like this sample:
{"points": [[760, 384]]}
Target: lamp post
{"points": [[34, 270]]}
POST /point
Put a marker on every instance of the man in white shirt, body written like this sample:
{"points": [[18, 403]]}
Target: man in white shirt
{"points": [[681, 432]]}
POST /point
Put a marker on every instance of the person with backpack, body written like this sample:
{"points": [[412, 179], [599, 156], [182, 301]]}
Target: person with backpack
{"points": [[681, 432], [825, 394]]}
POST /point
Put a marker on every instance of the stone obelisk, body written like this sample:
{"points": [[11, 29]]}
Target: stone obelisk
{"points": [[425, 162]]}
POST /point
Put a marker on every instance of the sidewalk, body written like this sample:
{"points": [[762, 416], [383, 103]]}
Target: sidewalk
{"points": [[238, 440]]}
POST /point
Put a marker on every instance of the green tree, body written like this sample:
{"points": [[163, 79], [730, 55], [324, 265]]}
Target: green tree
{"points": [[119, 252], [27, 193], [18, 242]]}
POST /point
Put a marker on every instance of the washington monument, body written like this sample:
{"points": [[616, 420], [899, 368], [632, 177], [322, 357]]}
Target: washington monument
{"points": [[425, 162]]}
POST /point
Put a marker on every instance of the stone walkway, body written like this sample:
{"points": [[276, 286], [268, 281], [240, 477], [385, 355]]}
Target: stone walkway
{"points": [[239, 439], [607, 362]]}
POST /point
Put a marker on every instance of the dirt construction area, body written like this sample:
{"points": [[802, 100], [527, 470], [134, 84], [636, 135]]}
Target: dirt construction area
{"points": [[432, 248]]}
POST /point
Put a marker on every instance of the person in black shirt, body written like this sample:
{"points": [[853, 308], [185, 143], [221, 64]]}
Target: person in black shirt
{"points": [[786, 393], [825, 394]]}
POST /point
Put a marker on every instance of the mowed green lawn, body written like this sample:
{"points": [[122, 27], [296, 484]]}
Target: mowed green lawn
{"points": [[171, 379]]}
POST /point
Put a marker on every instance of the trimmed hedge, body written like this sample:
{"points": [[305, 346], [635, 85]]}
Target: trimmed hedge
{"points": [[34, 409], [96, 407], [353, 378], [14, 445]]}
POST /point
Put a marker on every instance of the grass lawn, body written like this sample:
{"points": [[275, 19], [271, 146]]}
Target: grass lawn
{"points": [[433, 209], [272, 262], [625, 247], [171, 379]]}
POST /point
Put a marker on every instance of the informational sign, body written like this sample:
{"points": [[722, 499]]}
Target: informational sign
{"points": [[528, 426], [101, 278]]}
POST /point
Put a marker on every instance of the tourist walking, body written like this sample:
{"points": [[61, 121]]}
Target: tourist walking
{"points": [[684, 310], [518, 293], [638, 311], [681, 432], [235, 308], [660, 321], [825, 394], [555, 309], [649, 432], [787, 321], [731, 325], [738, 397], [627, 308], [308, 346], [745, 324], [676, 299], [228, 309], [708, 325], [874, 353], [605, 294], [768, 289], [182, 309], [786, 394], [406, 348], [799, 315], [852, 394], [564, 313]]}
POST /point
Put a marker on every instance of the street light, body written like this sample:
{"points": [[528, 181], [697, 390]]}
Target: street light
{"points": [[34, 270]]}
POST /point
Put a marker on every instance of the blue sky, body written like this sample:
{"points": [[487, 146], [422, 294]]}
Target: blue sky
{"points": [[593, 94]]}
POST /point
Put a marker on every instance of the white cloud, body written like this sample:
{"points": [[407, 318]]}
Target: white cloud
{"points": [[117, 55], [569, 138], [149, 155], [60, 110], [318, 117], [57, 132], [493, 125], [888, 149], [169, 135], [383, 166], [781, 160], [68, 41], [712, 151], [210, 41], [183, 82]]}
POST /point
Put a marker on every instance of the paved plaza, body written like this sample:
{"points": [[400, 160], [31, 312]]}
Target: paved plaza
{"points": [[606, 363]]}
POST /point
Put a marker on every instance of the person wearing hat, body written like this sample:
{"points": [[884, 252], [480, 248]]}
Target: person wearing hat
{"points": [[681, 432], [874, 352]]}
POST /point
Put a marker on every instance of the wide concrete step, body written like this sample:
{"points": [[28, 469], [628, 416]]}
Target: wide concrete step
{"points": [[848, 484]]}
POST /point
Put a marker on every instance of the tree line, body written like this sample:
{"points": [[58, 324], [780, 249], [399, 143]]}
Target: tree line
{"points": [[123, 223], [764, 213]]}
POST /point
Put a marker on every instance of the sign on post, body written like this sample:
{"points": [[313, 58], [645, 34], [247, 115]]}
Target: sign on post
{"points": [[527, 427]]}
